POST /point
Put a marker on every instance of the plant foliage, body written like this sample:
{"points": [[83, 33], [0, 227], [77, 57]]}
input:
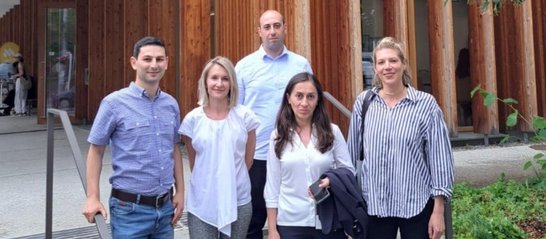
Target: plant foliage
{"points": [[497, 4], [495, 211]]}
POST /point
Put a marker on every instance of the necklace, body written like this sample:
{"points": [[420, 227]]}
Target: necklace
{"points": [[393, 98]]}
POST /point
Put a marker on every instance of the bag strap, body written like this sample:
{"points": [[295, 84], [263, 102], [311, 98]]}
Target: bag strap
{"points": [[365, 104]]}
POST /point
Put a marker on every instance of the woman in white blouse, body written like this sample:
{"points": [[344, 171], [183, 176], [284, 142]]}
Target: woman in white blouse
{"points": [[220, 137], [304, 146]]}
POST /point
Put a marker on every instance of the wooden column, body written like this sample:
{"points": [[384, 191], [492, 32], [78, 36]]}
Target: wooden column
{"points": [[398, 22], [302, 29], [516, 62], [356, 85], [442, 60], [528, 94], [482, 67], [539, 29]]}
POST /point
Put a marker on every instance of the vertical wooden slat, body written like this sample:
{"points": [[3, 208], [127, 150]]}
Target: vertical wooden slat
{"points": [[516, 61], [482, 67], [398, 23], [334, 59], [82, 41], [135, 28], [442, 60], [530, 108], [96, 89], [504, 56], [539, 19], [302, 21], [194, 49], [40, 63], [113, 46], [162, 22]]}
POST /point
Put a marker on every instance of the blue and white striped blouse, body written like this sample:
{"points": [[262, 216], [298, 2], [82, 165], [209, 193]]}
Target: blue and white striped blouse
{"points": [[407, 153]]}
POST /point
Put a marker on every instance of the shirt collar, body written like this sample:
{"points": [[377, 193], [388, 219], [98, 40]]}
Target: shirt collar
{"points": [[264, 54], [412, 93], [141, 92]]}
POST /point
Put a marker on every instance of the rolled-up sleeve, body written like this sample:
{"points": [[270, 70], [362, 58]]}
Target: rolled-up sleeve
{"points": [[440, 156]]}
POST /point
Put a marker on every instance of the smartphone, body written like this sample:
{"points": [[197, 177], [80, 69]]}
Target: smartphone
{"points": [[319, 194]]}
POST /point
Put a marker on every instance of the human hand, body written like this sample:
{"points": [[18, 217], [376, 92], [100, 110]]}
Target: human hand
{"points": [[91, 207], [178, 204], [436, 225], [273, 234]]}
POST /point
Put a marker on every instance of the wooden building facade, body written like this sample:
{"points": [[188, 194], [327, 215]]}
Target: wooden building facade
{"points": [[507, 52]]}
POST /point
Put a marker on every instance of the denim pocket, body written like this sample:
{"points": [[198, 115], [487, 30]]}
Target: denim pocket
{"points": [[119, 207]]}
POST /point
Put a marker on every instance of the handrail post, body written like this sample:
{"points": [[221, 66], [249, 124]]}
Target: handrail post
{"points": [[49, 176], [80, 165]]}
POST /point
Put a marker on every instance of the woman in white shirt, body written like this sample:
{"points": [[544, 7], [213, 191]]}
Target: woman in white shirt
{"points": [[220, 137], [304, 146]]}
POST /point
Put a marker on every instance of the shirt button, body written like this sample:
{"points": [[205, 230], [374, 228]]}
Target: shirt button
{"points": [[157, 134], [162, 168], [159, 150], [155, 117], [137, 123]]}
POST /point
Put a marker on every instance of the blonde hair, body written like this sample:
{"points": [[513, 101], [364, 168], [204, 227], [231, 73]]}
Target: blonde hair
{"points": [[391, 43], [233, 94]]}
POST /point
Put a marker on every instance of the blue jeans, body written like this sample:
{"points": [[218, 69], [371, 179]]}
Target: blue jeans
{"points": [[130, 220]]}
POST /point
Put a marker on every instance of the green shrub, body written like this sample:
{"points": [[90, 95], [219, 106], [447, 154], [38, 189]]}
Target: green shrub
{"points": [[495, 211]]}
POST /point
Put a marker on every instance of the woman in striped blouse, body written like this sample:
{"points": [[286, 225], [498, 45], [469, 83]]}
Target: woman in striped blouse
{"points": [[407, 172]]}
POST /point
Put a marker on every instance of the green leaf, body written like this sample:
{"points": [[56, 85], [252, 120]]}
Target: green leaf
{"points": [[539, 122], [504, 139], [541, 135], [527, 165], [512, 119], [509, 101], [539, 155], [489, 99], [476, 89], [484, 4]]}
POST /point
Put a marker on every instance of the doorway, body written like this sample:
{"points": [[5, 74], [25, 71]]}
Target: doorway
{"points": [[57, 56]]}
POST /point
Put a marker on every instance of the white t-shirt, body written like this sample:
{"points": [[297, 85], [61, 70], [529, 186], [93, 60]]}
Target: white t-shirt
{"points": [[289, 178], [219, 180]]}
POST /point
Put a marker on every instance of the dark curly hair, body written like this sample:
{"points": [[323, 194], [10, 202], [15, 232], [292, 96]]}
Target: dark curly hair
{"points": [[286, 120]]}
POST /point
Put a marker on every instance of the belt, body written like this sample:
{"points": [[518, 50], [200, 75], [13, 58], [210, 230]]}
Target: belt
{"points": [[152, 201]]}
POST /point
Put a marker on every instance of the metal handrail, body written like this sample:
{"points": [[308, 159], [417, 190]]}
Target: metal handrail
{"points": [[76, 152], [447, 212]]}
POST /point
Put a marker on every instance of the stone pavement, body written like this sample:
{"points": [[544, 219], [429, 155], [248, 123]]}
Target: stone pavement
{"points": [[23, 176]]}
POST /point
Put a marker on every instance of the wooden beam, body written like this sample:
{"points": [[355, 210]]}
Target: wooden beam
{"points": [[442, 60], [482, 67]]}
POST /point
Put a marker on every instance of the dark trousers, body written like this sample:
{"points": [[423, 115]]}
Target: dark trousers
{"points": [[259, 213], [411, 228], [288, 232]]}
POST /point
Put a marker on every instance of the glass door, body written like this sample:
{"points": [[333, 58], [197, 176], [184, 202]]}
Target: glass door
{"points": [[60, 58]]}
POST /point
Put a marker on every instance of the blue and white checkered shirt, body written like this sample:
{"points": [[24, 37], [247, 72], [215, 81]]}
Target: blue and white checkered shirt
{"points": [[142, 133], [407, 153]]}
